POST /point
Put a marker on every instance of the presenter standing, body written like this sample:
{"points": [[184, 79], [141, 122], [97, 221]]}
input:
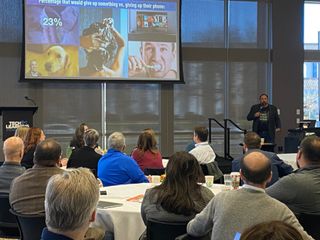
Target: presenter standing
{"points": [[265, 118]]}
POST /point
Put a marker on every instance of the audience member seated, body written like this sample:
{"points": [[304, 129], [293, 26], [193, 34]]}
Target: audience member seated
{"points": [[233, 211], [150, 131], [13, 149], [117, 168], [77, 139], [21, 132], [34, 136], [70, 204], [274, 230], [179, 197], [252, 142], [86, 155], [147, 154], [28, 190], [202, 151], [300, 191]]}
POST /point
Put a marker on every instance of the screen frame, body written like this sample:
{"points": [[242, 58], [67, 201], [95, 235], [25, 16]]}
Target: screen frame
{"points": [[107, 80]]}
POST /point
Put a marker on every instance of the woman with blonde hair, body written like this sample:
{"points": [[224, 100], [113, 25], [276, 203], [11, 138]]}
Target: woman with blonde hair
{"points": [[21, 132]]}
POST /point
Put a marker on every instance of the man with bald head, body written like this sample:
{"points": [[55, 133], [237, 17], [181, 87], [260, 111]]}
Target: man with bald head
{"points": [[13, 152], [252, 142], [231, 212]]}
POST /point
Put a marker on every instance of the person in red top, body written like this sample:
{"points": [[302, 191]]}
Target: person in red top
{"points": [[146, 154]]}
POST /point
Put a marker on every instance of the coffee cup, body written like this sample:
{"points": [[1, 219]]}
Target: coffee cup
{"points": [[209, 180], [235, 180], [155, 179]]}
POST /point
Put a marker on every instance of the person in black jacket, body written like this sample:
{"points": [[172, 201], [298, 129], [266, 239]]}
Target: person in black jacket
{"points": [[252, 143], [86, 156], [265, 118]]}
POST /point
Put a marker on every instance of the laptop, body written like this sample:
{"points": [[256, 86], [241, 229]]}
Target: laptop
{"points": [[307, 124]]}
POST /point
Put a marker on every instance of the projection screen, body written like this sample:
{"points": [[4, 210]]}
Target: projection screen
{"points": [[100, 40]]}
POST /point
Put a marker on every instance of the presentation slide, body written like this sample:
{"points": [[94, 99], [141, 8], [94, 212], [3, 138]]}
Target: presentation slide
{"points": [[118, 40]]}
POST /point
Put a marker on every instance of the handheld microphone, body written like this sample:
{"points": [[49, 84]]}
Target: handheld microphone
{"points": [[31, 100], [261, 108]]}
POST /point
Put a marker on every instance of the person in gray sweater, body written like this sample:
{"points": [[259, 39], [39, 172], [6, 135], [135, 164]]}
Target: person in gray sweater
{"points": [[179, 198], [231, 212], [13, 149], [300, 191]]}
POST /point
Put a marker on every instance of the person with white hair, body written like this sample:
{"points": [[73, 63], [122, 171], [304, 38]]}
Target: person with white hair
{"points": [[70, 204], [115, 167]]}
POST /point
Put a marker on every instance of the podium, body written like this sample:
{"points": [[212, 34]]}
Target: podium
{"points": [[268, 147], [14, 117], [295, 136]]}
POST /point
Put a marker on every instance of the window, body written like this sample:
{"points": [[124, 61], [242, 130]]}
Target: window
{"points": [[312, 58], [223, 80], [203, 22]]}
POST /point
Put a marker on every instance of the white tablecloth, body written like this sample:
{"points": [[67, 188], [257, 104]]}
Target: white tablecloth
{"points": [[125, 221], [289, 158]]}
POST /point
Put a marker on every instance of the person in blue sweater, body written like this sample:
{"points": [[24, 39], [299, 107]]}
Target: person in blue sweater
{"points": [[115, 167]]}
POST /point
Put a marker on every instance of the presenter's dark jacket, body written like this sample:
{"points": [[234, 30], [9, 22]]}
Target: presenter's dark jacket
{"points": [[273, 119]]}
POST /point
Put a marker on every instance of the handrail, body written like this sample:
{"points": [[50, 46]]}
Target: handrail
{"points": [[236, 125], [226, 131], [216, 121]]}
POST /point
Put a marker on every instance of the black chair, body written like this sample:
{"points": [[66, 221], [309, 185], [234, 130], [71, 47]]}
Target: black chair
{"points": [[30, 226], [8, 223], [154, 171], [165, 230], [311, 224]]}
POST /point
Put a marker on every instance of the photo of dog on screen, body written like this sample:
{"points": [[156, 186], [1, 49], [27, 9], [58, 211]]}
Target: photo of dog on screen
{"points": [[56, 61]]}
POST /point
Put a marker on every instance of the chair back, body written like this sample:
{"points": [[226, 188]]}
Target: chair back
{"points": [[212, 169], [8, 222], [165, 230], [30, 226], [154, 171], [311, 224]]}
